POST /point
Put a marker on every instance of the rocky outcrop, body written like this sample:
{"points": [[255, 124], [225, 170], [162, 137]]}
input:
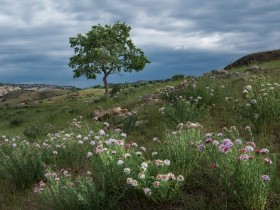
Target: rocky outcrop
{"points": [[116, 111]]}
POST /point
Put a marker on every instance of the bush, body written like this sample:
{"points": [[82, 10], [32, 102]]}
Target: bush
{"points": [[19, 165], [178, 77], [16, 122]]}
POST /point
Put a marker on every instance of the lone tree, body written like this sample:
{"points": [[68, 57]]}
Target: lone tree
{"points": [[105, 50]]}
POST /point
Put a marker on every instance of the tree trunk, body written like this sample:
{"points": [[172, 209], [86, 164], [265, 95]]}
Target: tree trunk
{"points": [[106, 86]]}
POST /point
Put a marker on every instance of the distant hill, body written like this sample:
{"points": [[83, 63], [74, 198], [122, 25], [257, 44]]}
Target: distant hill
{"points": [[255, 58]]}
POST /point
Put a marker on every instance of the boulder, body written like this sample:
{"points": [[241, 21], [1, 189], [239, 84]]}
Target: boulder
{"points": [[219, 72], [116, 111]]}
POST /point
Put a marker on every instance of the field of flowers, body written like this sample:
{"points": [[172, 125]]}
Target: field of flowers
{"points": [[210, 143]]}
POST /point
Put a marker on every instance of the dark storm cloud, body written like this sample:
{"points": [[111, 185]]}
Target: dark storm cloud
{"points": [[189, 37]]}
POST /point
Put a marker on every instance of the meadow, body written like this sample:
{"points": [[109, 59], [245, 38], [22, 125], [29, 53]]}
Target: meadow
{"points": [[209, 142]]}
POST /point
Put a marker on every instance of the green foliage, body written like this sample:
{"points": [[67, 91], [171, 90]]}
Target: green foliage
{"points": [[20, 166], [178, 77], [183, 111], [105, 50], [80, 194], [116, 89], [181, 150], [242, 170], [16, 121], [37, 131], [262, 108]]}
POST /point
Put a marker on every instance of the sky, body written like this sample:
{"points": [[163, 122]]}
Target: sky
{"points": [[187, 37]]}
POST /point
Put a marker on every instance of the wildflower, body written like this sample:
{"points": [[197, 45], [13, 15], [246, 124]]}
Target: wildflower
{"points": [[143, 149], [247, 128], [134, 145], [265, 178], [253, 101], [56, 179], [220, 134], [92, 143], [244, 92], [166, 162], [164, 177], [129, 180], [138, 153], [154, 154], [243, 157], [227, 142], [127, 155], [14, 145], [109, 142], [48, 175], [267, 161], [223, 148], [126, 170], [208, 140], [252, 144], [117, 130], [208, 135], [159, 163], [113, 152], [238, 141], [85, 138], [106, 124], [127, 146], [66, 173], [264, 151], [200, 147], [55, 152], [248, 149], [134, 183], [215, 142], [156, 184], [147, 191], [144, 165], [79, 136], [156, 140], [89, 173], [256, 116], [123, 135], [41, 184], [180, 178], [171, 176], [120, 162], [80, 142], [101, 132], [248, 87], [141, 176], [89, 154], [120, 142]]}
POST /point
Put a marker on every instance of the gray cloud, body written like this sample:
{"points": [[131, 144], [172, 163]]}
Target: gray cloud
{"points": [[189, 37]]}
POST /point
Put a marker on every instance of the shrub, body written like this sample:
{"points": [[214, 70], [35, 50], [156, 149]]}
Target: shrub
{"points": [[19, 165], [178, 77], [16, 122]]}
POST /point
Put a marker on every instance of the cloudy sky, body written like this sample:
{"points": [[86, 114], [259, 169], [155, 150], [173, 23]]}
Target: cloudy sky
{"points": [[178, 36]]}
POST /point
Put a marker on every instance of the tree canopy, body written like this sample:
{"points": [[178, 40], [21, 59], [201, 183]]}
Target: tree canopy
{"points": [[105, 50]]}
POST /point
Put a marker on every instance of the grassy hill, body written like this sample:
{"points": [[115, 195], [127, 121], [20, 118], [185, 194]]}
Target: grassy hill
{"points": [[255, 59], [210, 142]]}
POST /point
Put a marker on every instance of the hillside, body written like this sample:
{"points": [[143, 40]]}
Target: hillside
{"points": [[255, 59], [209, 142]]}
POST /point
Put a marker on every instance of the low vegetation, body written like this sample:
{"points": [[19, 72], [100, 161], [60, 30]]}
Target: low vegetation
{"points": [[210, 142]]}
